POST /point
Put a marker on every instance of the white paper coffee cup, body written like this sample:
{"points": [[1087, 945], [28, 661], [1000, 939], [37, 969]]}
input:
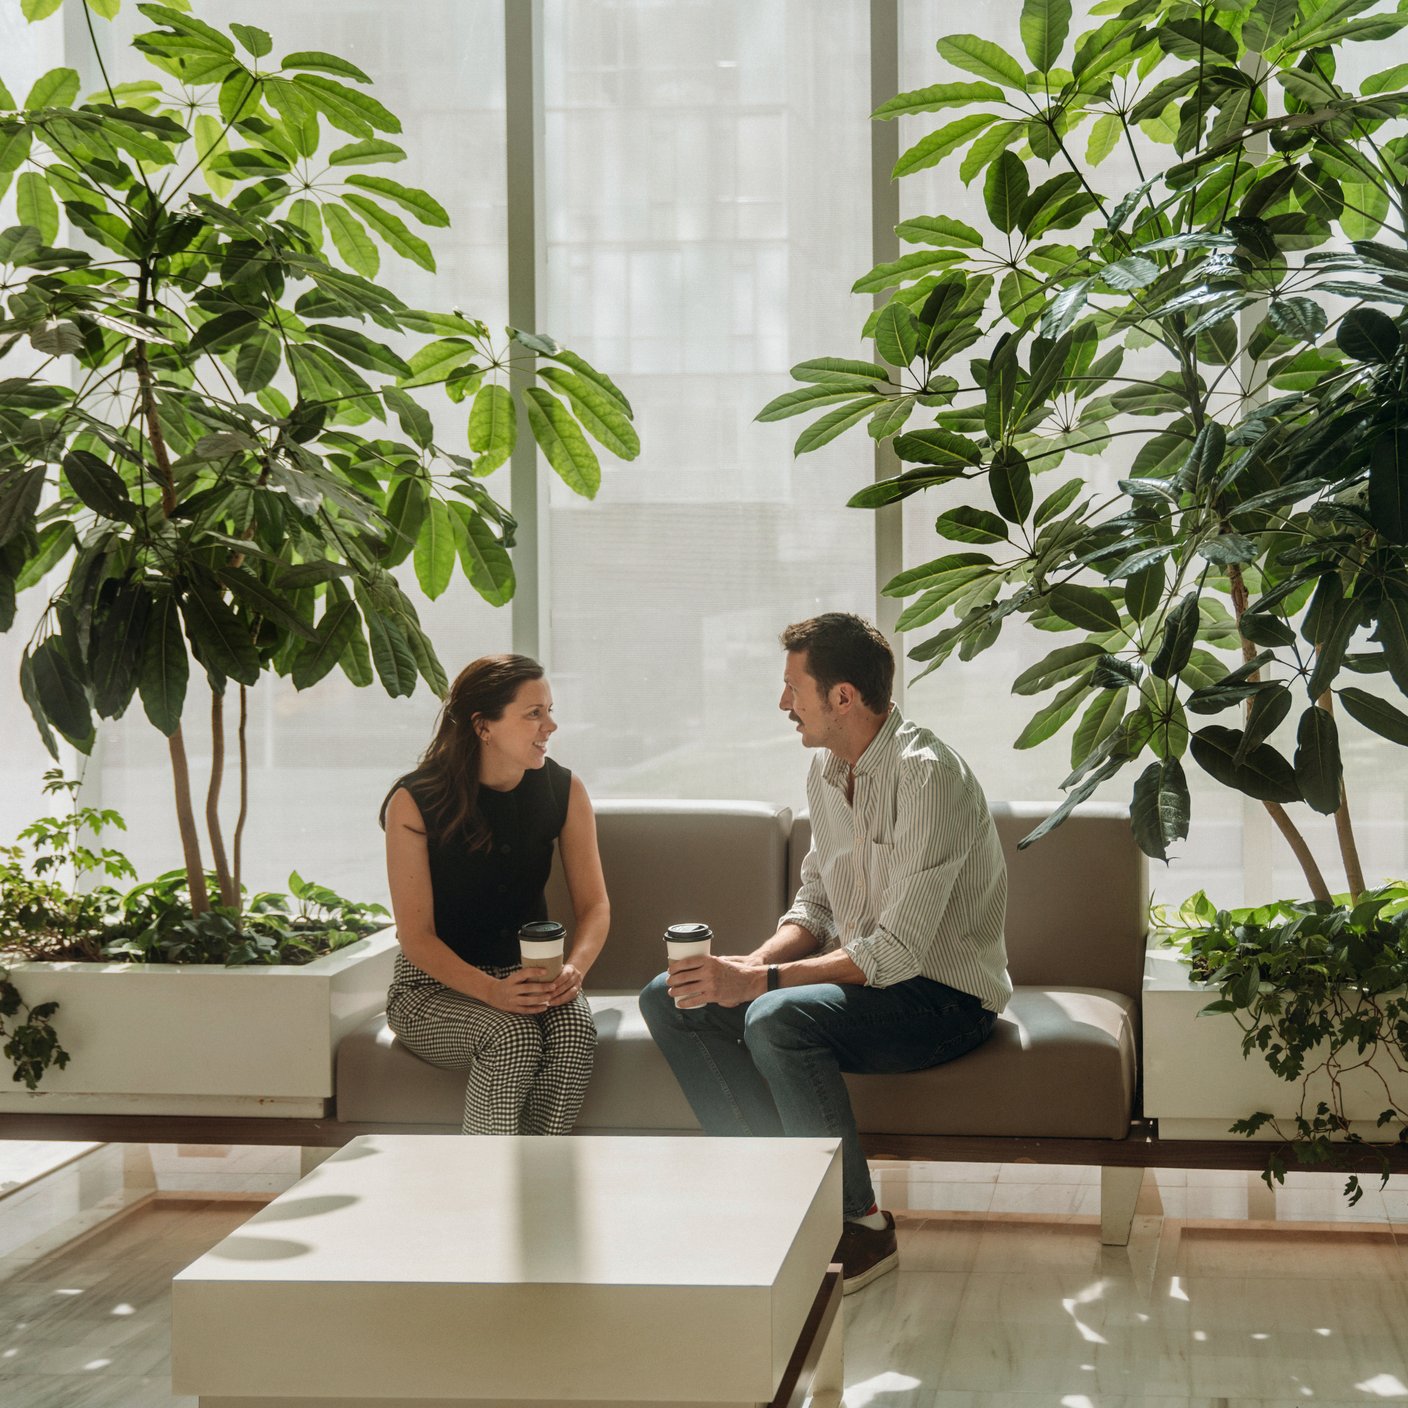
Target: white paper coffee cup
{"points": [[544, 948], [686, 941]]}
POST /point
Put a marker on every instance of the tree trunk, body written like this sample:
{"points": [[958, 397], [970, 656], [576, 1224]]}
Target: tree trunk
{"points": [[1344, 825], [186, 819], [229, 895], [1288, 829], [244, 785]]}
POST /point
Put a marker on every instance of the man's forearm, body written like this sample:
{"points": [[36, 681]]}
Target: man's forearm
{"points": [[791, 942], [794, 950]]}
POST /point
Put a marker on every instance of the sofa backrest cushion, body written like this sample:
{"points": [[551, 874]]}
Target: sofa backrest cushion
{"points": [[723, 863], [1077, 900]]}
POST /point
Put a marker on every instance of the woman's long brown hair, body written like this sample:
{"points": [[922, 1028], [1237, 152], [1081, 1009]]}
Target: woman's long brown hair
{"points": [[446, 781]]}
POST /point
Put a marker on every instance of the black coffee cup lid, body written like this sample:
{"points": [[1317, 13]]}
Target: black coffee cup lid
{"points": [[541, 931], [688, 933]]}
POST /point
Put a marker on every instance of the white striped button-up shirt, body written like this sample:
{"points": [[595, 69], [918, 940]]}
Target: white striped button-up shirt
{"points": [[907, 877]]}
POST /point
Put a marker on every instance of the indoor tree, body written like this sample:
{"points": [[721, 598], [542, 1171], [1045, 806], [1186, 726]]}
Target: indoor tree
{"points": [[1230, 332], [214, 421]]}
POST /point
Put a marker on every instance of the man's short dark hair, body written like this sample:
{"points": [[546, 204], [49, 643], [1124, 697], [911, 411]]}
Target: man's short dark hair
{"points": [[845, 649]]}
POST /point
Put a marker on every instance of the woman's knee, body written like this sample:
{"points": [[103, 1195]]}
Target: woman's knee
{"points": [[516, 1036]]}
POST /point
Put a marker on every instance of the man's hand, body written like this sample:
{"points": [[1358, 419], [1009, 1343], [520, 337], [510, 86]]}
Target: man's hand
{"points": [[724, 980]]}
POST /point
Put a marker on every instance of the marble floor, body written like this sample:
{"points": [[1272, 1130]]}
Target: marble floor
{"points": [[1227, 1295]]}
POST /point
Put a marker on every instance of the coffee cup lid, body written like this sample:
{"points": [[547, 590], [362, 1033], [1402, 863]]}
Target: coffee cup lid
{"points": [[540, 931], [688, 933]]}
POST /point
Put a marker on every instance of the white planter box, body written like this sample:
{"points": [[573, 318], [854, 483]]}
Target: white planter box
{"points": [[1197, 1081], [199, 1039]]}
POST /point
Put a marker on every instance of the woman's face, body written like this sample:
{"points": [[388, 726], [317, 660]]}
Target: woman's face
{"points": [[520, 738]]}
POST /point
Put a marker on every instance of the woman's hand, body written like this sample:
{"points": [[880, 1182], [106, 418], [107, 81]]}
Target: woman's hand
{"points": [[524, 993], [566, 987]]}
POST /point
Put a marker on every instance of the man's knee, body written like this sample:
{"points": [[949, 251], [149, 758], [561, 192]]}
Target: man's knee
{"points": [[656, 1004], [776, 1021]]}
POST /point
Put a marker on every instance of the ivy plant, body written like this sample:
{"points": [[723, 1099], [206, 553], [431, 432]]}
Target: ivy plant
{"points": [[1230, 332], [215, 423], [1321, 992]]}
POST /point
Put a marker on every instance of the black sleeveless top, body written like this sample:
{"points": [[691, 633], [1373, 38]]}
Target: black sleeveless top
{"points": [[482, 897]]}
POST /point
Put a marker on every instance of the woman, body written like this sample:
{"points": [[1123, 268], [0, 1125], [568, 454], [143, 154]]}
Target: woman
{"points": [[469, 838]]}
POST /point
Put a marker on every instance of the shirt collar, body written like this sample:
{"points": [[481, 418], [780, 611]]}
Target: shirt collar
{"points": [[836, 768]]}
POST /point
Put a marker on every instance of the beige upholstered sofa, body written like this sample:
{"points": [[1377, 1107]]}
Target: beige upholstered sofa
{"points": [[1062, 1064]]}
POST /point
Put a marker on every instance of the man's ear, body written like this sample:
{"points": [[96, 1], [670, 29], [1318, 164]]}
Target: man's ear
{"points": [[843, 697]]}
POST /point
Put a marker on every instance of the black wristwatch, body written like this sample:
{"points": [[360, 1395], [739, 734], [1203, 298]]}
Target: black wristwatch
{"points": [[774, 977]]}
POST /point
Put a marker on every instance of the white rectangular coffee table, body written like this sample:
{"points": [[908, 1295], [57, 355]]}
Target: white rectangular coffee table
{"points": [[420, 1271]]}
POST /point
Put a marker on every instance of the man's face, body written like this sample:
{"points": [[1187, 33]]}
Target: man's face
{"points": [[805, 704]]}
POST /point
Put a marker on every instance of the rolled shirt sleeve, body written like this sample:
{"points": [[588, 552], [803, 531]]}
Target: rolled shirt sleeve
{"points": [[811, 909]]}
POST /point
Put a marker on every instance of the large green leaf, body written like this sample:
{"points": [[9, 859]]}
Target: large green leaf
{"points": [[1368, 335], [367, 153], [351, 240], [116, 648], [350, 111], [839, 418], [1180, 631], [1393, 634], [435, 550], [339, 621], [164, 668], [219, 640], [1061, 664], [483, 556], [1102, 716], [20, 492], [936, 97], [1263, 774], [1005, 191], [599, 412], [56, 89], [1049, 720], [62, 693], [1044, 26], [390, 651], [930, 150], [1376, 714], [393, 231], [359, 349], [35, 205], [1266, 710], [1160, 808], [493, 426], [1317, 759], [971, 525], [983, 59], [320, 62], [1388, 485], [1084, 607], [434, 362], [1010, 480], [897, 334], [257, 361], [98, 486], [262, 600], [420, 203], [405, 513], [563, 443]]}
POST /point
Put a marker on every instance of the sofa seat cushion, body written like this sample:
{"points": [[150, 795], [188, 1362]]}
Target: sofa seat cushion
{"points": [[1061, 1062], [380, 1082]]}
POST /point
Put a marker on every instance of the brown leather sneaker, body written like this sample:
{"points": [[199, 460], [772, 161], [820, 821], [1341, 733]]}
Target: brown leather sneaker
{"points": [[866, 1253]]}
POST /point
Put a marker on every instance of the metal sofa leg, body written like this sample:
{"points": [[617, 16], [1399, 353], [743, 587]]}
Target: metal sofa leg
{"points": [[1119, 1194]]}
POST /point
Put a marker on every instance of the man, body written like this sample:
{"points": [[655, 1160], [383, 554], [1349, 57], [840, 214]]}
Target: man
{"points": [[891, 957]]}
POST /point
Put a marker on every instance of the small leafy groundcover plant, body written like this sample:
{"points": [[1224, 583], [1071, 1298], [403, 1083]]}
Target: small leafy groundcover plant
{"points": [[1319, 989], [41, 917]]}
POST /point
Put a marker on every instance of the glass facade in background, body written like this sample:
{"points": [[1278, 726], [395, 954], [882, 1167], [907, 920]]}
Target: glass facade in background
{"points": [[707, 209]]}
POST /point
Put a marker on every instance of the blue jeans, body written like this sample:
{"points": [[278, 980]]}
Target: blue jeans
{"points": [[773, 1066]]}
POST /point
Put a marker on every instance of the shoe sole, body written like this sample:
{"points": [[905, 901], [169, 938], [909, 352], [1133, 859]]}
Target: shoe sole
{"points": [[856, 1283]]}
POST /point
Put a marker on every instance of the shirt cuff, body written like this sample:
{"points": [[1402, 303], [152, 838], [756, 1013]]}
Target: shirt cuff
{"points": [[882, 959], [815, 920]]}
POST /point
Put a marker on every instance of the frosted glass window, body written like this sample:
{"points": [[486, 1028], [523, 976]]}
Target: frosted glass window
{"points": [[707, 193]]}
